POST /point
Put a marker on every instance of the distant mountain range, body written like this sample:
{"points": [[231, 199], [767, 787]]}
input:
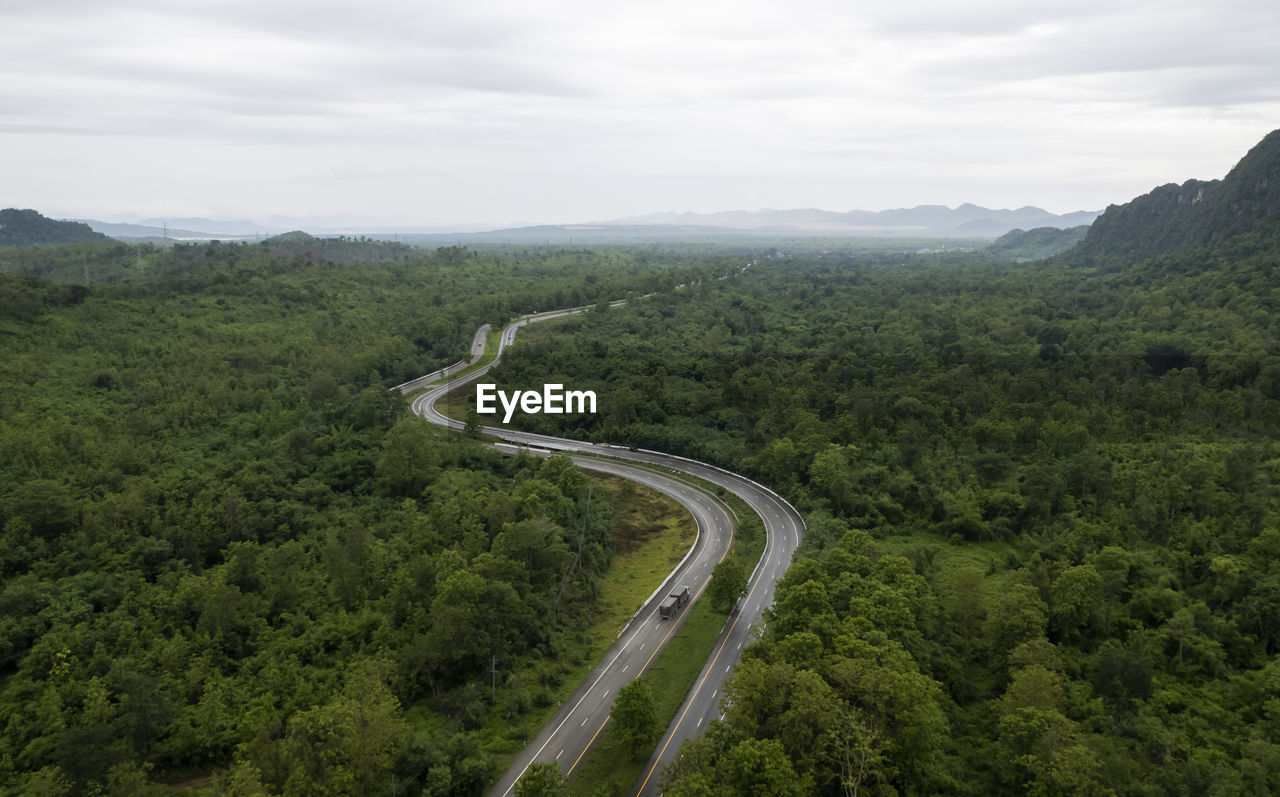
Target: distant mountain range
{"points": [[191, 229], [965, 220], [1243, 209], [197, 229], [227, 227], [922, 221]]}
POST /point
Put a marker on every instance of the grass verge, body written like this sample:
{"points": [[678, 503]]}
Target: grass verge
{"points": [[530, 332], [650, 538], [455, 403]]}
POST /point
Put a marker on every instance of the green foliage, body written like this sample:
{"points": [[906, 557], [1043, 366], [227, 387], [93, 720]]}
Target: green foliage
{"points": [[28, 228], [346, 746], [337, 249], [728, 584], [720, 764], [409, 460], [1040, 505], [1197, 212], [225, 549], [541, 779], [635, 722], [1036, 244]]}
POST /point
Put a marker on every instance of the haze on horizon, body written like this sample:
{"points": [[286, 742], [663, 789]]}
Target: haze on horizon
{"points": [[432, 113]]}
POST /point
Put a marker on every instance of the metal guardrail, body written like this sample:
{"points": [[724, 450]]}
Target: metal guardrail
{"points": [[423, 381]]}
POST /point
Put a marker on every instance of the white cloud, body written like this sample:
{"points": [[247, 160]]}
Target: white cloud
{"points": [[561, 111]]}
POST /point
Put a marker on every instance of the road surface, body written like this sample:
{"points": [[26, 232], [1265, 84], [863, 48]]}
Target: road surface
{"points": [[582, 718]]}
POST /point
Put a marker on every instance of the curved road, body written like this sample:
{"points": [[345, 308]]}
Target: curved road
{"points": [[589, 706]]}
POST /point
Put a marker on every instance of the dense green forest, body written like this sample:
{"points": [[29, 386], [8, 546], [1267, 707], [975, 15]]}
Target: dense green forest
{"points": [[1043, 552], [1043, 544], [225, 546], [339, 249]]}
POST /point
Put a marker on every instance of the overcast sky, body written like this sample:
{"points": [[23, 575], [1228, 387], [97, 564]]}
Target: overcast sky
{"points": [[439, 113]]}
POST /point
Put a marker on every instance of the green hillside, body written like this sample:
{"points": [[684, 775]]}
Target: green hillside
{"points": [[1037, 243], [1196, 212], [29, 228]]}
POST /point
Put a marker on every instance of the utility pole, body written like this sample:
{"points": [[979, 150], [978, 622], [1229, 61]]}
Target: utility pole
{"points": [[572, 567], [586, 514]]}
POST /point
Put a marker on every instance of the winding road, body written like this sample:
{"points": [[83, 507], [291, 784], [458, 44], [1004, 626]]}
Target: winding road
{"points": [[570, 733]]}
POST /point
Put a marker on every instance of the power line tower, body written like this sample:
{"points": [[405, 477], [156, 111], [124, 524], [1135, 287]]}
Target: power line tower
{"points": [[493, 679]]}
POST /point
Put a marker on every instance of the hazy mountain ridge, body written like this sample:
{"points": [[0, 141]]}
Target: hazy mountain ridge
{"points": [[31, 228], [125, 231], [237, 227], [1195, 212], [967, 218], [923, 221], [1037, 243], [967, 221]]}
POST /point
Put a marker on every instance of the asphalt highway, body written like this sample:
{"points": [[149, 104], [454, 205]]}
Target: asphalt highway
{"points": [[583, 717]]}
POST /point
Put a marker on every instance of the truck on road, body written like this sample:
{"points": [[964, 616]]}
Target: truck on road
{"points": [[674, 603]]}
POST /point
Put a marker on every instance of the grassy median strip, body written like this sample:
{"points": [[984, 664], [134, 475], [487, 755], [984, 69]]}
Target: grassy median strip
{"points": [[608, 768], [490, 354]]}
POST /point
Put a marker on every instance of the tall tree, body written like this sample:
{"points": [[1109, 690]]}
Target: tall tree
{"points": [[409, 460], [728, 584], [635, 720]]}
